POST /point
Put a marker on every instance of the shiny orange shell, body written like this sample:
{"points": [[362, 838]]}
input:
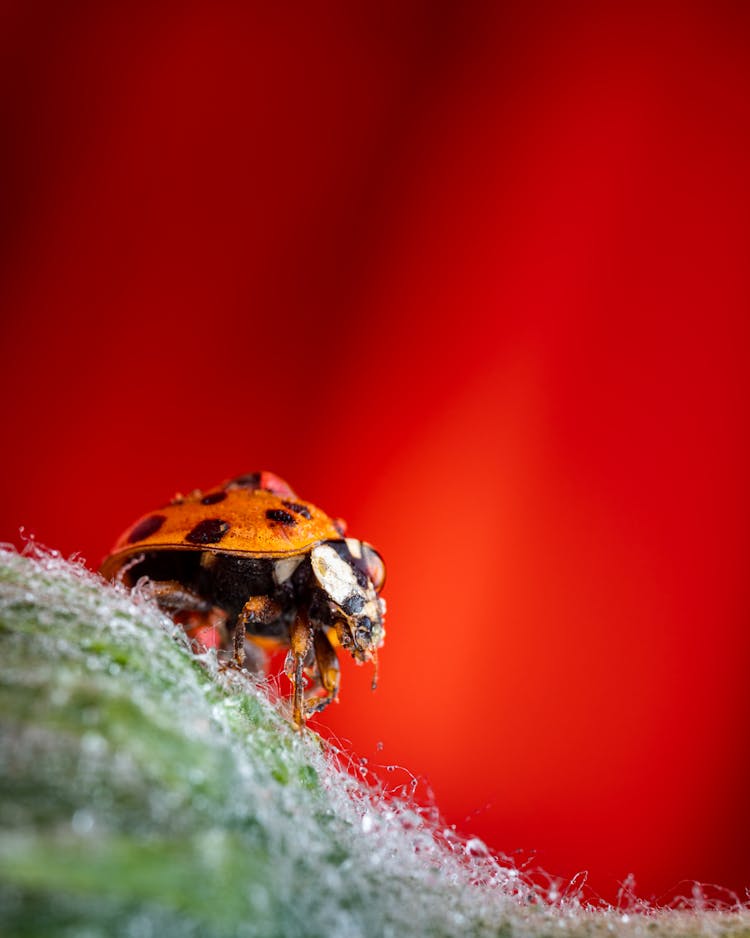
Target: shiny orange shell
{"points": [[234, 518]]}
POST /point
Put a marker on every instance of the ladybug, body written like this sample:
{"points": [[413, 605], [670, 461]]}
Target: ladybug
{"points": [[247, 567]]}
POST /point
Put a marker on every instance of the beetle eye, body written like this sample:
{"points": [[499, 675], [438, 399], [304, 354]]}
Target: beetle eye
{"points": [[363, 634], [372, 564]]}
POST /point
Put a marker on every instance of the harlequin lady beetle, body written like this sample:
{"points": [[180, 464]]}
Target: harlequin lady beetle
{"points": [[248, 566]]}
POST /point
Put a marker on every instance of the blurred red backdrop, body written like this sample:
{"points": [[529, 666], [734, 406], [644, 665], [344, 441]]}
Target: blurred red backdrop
{"points": [[474, 277]]}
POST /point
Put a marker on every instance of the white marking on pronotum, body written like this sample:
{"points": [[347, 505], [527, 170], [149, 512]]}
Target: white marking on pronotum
{"points": [[334, 574], [355, 547], [283, 569]]}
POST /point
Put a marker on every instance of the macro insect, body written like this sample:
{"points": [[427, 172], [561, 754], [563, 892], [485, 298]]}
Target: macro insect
{"points": [[248, 567]]}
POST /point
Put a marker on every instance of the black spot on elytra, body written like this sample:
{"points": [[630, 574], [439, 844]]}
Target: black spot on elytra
{"points": [[298, 509], [283, 517], [208, 532], [146, 528], [249, 481], [213, 498]]}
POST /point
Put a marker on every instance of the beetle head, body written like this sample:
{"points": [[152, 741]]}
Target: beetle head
{"points": [[351, 573]]}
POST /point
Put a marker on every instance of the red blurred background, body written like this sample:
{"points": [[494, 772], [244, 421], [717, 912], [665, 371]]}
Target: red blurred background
{"points": [[474, 277]]}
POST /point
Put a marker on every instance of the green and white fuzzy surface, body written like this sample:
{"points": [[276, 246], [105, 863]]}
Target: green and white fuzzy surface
{"points": [[142, 793]]}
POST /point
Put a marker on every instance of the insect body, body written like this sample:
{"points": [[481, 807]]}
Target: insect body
{"points": [[248, 562]]}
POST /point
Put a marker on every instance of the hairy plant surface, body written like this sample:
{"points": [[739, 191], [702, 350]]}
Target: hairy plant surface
{"points": [[145, 793]]}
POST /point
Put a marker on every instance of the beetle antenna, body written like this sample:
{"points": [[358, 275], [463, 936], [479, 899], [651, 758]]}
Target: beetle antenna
{"points": [[375, 674]]}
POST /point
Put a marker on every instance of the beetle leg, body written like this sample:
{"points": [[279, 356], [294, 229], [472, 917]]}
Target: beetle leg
{"points": [[260, 609], [202, 622], [325, 675], [172, 596], [300, 635]]}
